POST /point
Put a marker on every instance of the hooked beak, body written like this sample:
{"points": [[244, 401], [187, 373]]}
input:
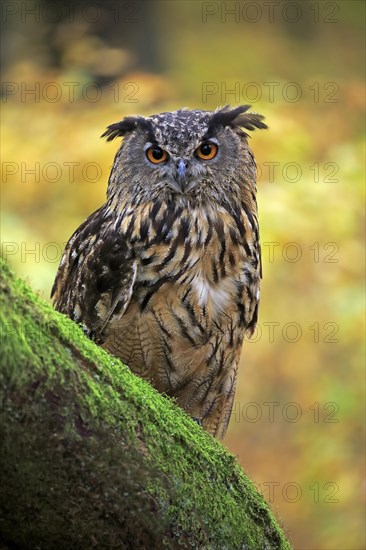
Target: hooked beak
{"points": [[182, 182]]}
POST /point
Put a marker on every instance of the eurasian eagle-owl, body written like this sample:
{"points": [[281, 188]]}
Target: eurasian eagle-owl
{"points": [[166, 274]]}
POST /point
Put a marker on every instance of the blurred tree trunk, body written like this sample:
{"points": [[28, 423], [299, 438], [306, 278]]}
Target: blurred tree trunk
{"points": [[94, 457]]}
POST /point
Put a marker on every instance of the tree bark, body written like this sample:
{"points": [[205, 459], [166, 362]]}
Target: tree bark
{"points": [[93, 457]]}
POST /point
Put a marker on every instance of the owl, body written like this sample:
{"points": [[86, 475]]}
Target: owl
{"points": [[166, 274]]}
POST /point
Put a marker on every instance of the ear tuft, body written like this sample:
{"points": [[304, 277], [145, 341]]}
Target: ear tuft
{"points": [[236, 118], [120, 129], [250, 121]]}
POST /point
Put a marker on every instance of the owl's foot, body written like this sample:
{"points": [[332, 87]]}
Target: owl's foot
{"points": [[199, 422]]}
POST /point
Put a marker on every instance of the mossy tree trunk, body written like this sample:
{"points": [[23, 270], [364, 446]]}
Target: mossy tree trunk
{"points": [[94, 457]]}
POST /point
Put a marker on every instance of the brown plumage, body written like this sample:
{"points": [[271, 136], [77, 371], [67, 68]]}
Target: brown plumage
{"points": [[166, 274]]}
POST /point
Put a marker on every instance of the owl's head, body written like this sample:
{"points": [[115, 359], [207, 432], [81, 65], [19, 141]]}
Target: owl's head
{"points": [[184, 155]]}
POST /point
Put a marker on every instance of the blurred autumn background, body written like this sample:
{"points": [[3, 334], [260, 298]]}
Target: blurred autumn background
{"points": [[69, 69]]}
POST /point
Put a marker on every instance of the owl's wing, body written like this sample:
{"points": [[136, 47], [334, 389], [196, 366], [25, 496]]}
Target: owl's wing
{"points": [[250, 295], [252, 292], [96, 275]]}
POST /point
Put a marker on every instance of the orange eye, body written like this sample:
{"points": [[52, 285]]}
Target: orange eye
{"points": [[207, 150], [156, 155]]}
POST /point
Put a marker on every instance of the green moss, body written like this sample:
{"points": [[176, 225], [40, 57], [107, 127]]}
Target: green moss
{"points": [[95, 457]]}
